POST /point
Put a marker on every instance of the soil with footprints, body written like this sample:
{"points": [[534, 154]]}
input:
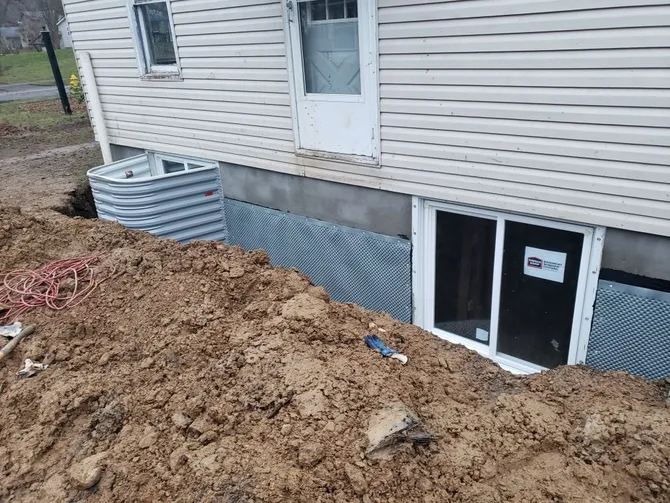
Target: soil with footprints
{"points": [[202, 373]]}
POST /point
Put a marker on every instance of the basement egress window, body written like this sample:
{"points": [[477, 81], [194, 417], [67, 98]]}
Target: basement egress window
{"points": [[166, 164], [516, 289], [153, 34]]}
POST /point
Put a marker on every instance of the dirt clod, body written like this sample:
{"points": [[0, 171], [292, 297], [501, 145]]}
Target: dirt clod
{"points": [[199, 386], [87, 472]]}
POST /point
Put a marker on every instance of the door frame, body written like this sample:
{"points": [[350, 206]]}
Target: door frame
{"points": [[370, 86], [423, 278]]}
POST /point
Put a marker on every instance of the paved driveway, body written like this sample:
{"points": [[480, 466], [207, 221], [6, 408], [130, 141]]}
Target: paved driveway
{"points": [[14, 92]]}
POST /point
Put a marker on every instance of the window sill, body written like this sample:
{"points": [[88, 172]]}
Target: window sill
{"points": [[330, 156], [162, 77]]}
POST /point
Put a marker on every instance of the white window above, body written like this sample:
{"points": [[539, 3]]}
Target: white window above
{"points": [[153, 33], [165, 164]]}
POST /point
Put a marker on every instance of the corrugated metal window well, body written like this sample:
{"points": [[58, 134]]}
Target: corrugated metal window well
{"points": [[168, 195]]}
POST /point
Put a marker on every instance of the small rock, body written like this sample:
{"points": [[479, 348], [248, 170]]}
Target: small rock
{"points": [[356, 479], [104, 359], [201, 424], [442, 362], [150, 437], [330, 426], [207, 438], [310, 454], [138, 295], [210, 463], [236, 272], [180, 420], [177, 458], [146, 363], [650, 471], [286, 429], [87, 473], [82, 331]]}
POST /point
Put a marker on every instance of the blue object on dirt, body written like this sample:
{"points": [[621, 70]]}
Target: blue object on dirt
{"points": [[376, 343]]}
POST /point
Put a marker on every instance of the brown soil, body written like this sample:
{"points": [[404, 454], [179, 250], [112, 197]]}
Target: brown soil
{"points": [[201, 373]]}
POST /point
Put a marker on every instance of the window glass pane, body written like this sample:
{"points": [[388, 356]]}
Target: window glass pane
{"points": [[335, 9], [540, 272], [330, 52], [464, 256], [190, 165], [172, 166], [156, 22], [352, 9], [318, 10]]}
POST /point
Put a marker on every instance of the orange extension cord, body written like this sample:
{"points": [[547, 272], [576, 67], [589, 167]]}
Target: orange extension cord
{"points": [[61, 284]]}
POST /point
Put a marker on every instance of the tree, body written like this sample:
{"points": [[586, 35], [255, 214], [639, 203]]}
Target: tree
{"points": [[51, 11]]}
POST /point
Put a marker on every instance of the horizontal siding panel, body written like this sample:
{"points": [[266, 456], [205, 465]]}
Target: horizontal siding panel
{"points": [[130, 72], [538, 207], [261, 37], [623, 58], [659, 98], [188, 98], [226, 15], [91, 45], [423, 153], [641, 207], [120, 12], [573, 181], [231, 107], [541, 78], [110, 63], [106, 35], [566, 131], [198, 85], [180, 132], [239, 26], [521, 111], [572, 148], [97, 26], [71, 8], [635, 17], [490, 8], [179, 137], [227, 51], [272, 75], [120, 54], [579, 40], [202, 125], [179, 6], [256, 63], [266, 121]]}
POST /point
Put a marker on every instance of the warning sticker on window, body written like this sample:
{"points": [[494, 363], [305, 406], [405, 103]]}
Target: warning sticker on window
{"points": [[544, 264]]}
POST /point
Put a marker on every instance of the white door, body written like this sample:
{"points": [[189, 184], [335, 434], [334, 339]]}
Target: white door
{"points": [[333, 67]]}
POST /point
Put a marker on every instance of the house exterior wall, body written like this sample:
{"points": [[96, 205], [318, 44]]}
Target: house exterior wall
{"points": [[65, 38], [554, 108]]}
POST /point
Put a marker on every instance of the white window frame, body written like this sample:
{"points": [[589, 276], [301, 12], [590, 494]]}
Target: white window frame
{"points": [[141, 42], [327, 20], [156, 163], [423, 279]]}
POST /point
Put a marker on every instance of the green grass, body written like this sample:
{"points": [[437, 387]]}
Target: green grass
{"points": [[34, 67]]}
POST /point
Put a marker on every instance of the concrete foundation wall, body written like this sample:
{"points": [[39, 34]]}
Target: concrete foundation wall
{"points": [[367, 209], [637, 253], [120, 152]]}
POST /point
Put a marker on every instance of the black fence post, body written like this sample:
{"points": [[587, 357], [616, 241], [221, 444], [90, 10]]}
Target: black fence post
{"points": [[46, 39]]}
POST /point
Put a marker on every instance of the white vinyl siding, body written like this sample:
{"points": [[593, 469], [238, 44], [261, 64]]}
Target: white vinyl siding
{"points": [[554, 108]]}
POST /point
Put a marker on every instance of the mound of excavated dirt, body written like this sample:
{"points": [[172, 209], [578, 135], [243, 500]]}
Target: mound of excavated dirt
{"points": [[202, 374]]}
